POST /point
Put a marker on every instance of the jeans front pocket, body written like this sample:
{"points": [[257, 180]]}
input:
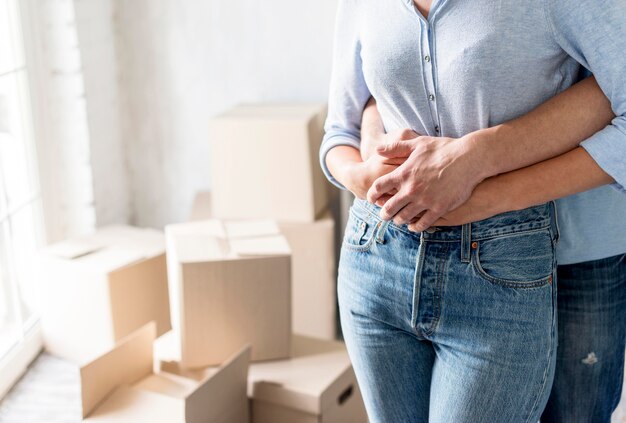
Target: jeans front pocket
{"points": [[518, 260], [360, 230]]}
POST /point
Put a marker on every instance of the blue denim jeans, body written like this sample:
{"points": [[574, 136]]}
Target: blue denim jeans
{"points": [[456, 324], [592, 334]]}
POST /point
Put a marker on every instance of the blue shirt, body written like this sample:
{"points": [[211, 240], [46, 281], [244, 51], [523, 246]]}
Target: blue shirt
{"points": [[476, 64]]}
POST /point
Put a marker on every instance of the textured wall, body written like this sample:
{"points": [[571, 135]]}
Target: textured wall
{"points": [[182, 61]]}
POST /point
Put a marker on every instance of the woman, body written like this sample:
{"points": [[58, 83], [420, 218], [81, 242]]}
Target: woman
{"points": [[452, 323]]}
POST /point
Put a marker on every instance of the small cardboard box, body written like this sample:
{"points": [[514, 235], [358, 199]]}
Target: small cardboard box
{"points": [[316, 385], [264, 162], [229, 285], [120, 386], [313, 275], [100, 288]]}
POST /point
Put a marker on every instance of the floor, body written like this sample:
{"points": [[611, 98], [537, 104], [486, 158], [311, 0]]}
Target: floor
{"points": [[49, 392]]}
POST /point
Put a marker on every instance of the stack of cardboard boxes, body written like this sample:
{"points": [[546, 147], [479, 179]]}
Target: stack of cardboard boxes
{"points": [[248, 286], [264, 164]]}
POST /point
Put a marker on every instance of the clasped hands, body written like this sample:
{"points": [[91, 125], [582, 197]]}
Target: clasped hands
{"points": [[425, 181]]}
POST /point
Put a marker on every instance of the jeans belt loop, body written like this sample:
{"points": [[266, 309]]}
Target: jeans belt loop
{"points": [[380, 231], [466, 242]]}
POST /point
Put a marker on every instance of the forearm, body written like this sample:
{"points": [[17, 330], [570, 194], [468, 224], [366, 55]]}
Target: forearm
{"points": [[553, 128], [340, 161], [567, 174], [372, 129]]}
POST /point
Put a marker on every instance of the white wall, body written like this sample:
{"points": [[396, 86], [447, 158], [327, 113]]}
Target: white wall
{"points": [[182, 61], [95, 25]]}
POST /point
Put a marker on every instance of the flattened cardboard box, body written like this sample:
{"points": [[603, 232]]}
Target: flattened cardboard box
{"points": [[101, 287], [316, 385], [245, 144], [120, 386], [229, 285], [313, 276]]}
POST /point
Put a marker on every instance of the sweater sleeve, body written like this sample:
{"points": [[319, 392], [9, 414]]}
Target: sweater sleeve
{"points": [[593, 32], [348, 91]]}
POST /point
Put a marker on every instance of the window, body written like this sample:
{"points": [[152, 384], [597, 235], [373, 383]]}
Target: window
{"points": [[21, 221]]}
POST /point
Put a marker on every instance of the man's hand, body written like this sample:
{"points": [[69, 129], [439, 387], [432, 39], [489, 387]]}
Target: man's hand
{"points": [[438, 176], [489, 198]]}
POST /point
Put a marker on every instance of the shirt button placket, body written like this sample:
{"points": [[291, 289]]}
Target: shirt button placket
{"points": [[429, 79]]}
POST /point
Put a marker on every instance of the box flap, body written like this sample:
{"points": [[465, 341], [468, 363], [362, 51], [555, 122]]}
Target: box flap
{"points": [[167, 384], [220, 389], [303, 381], [130, 237], [194, 248], [72, 249], [109, 259], [251, 228], [127, 404], [262, 246], [210, 227], [129, 361]]}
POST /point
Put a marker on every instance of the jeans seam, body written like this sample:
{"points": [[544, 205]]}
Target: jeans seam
{"points": [[437, 304], [417, 281], [550, 353]]}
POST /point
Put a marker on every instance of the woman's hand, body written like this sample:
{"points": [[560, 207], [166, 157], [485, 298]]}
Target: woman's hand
{"points": [[347, 167], [361, 175]]}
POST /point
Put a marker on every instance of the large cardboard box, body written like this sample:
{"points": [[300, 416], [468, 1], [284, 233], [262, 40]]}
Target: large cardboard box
{"points": [[264, 162], [313, 270], [120, 386], [229, 285], [101, 287]]}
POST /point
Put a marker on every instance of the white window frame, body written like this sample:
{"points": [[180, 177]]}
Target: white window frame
{"points": [[15, 361]]}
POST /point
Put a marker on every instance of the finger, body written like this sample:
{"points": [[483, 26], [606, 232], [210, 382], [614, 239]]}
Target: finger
{"points": [[395, 149], [394, 161], [426, 221], [408, 213], [383, 199], [382, 185], [408, 134], [393, 206]]}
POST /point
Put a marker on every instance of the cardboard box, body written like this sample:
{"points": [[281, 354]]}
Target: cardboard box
{"points": [[229, 285], [100, 288], [313, 270], [264, 162], [316, 385], [314, 281], [120, 386]]}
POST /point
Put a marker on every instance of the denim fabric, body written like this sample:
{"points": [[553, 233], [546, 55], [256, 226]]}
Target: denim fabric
{"points": [[592, 333], [475, 64], [452, 325]]}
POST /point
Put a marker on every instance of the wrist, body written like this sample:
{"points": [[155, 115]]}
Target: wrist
{"points": [[348, 175], [481, 146], [369, 142], [506, 194]]}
